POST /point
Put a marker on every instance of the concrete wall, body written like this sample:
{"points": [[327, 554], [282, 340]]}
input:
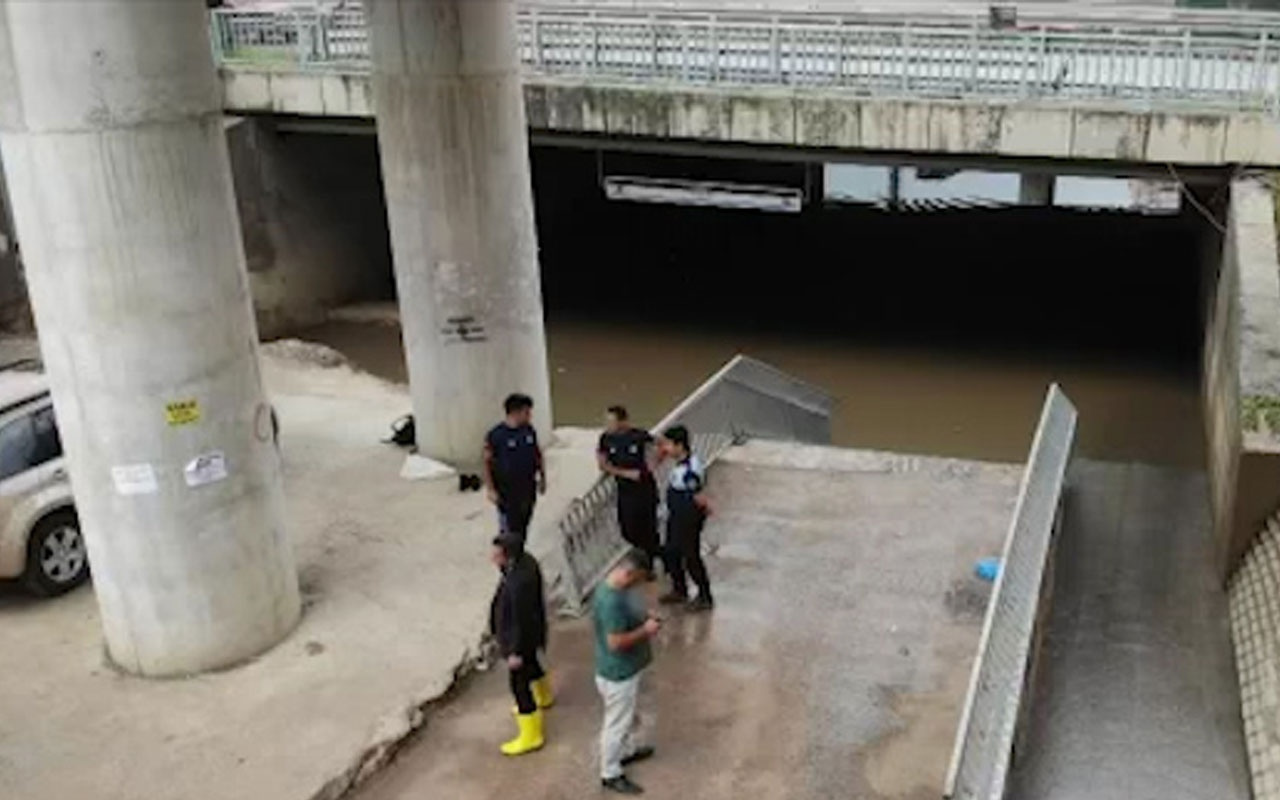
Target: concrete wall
{"points": [[817, 118], [1242, 374], [15, 308], [313, 220]]}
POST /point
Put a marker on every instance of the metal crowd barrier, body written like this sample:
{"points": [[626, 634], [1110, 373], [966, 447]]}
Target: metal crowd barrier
{"points": [[746, 398], [995, 709], [935, 56]]}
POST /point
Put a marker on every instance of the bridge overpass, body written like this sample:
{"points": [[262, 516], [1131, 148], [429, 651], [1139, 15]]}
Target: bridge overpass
{"points": [[1133, 86], [1128, 92], [120, 180]]}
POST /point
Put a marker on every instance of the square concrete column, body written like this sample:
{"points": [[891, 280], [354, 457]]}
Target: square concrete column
{"points": [[1036, 189], [112, 136], [455, 165]]}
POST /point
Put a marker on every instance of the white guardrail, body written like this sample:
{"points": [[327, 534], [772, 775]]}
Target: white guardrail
{"points": [[1198, 61], [996, 708]]}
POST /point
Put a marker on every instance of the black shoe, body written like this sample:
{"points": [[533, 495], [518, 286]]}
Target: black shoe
{"points": [[673, 598], [622, 785], [701, 603], [640, 754]]}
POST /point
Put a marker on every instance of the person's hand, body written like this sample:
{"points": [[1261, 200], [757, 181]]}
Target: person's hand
{"points": [[652, 626], [492, 494], [631, 474], [514, 661]]}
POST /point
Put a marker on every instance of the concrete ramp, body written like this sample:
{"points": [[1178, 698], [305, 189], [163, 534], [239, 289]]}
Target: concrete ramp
{"points": [[1137, 697]]}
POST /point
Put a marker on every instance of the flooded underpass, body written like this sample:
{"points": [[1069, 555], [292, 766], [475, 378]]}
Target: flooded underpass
{"points": [[904, 398], [936, 331], [836, 664]]}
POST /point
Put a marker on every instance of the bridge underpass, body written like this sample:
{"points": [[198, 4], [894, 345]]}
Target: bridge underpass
{"points": [[1137, 695], [966, 314], [948, 327], [858, 299]]}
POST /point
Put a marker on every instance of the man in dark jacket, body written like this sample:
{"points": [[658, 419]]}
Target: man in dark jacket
{"points": [[518, 620], [623, 452]]}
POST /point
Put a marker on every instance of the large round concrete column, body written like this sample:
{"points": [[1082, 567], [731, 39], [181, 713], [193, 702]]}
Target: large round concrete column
{"points": [[112, 138], [455, 164]]}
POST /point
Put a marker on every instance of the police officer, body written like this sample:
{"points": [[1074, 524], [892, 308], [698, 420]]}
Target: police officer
{"points": [[513, 468], [687, 510], [623, 452]]}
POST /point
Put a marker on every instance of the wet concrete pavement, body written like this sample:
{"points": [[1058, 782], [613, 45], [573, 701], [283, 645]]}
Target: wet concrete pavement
{"points": [[834, 666], [1138, 698]]}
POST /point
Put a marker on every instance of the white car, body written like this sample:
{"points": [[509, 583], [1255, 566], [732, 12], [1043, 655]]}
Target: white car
{"points": [[40, 539]]}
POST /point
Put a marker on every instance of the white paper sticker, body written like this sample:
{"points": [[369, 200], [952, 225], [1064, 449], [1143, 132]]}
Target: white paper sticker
{"points": [[206, 468], [131, 479]]}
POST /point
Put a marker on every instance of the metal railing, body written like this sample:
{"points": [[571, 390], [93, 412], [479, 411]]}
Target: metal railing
{"points": [[995, 705], [745, 399], [937, 57]]}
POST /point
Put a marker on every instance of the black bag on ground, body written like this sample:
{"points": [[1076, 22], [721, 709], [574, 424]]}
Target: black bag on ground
{"points": [[403, 432]]}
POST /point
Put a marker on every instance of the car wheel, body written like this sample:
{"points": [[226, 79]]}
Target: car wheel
{"points": [[57, 560]]}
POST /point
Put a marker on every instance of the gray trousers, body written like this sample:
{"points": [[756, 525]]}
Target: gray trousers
{"points": [[622, 732]]}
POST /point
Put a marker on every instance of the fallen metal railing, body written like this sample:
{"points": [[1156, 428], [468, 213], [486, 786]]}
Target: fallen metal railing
{"points": [[744, 399], [995, 708], [866, 54]]}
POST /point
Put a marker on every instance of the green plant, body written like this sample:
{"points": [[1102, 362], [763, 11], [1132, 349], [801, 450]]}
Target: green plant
{"points": [[1260, 413]]}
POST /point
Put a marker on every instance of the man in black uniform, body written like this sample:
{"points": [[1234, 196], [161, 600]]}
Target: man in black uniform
{"points": [[518, 620], [623, 452], [513, 467]]}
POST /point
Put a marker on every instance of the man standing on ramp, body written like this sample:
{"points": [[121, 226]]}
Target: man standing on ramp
{"points": [[623, 628], [687, 509], [518, 620], [623, 452]]}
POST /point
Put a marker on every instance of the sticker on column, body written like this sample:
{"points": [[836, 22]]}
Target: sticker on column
{"points": [[134, 479], [182, 412], [206, 468]]}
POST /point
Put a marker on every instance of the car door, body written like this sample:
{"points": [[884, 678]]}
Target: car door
{"points": [[30, 454]]}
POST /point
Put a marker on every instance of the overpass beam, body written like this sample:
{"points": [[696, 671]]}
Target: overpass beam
{"points": [[455, 167], [112, 138], [1036, 189]]}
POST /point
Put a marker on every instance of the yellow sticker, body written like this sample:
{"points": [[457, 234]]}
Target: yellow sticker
{"points": [[182, 412]]}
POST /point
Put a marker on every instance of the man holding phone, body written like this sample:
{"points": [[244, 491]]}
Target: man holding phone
{"points": [[623, 629]]}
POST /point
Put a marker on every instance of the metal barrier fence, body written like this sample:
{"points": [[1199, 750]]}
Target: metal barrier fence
{"points": [[745, 399], [938, 57], [994, 708]]}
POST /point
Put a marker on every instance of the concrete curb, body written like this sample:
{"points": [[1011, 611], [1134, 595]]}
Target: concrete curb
{"points": [[395, 728]]}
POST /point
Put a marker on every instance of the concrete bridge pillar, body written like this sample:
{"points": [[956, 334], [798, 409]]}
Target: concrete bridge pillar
{"points": [[1036, 189], [455, 166], [112, 138]]}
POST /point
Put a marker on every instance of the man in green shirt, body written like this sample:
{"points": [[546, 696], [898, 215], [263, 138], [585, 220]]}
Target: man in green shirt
{"points": [[623, 628]]}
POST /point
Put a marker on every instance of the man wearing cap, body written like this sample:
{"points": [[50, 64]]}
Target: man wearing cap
{"points": [[518, 620]]}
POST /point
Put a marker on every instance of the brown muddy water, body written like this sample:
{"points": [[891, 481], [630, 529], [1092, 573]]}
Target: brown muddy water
{"points": [[915, 399]]}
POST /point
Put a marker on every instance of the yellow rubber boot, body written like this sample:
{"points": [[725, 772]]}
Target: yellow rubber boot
{"points": [[542, 694], [529, 738]]}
